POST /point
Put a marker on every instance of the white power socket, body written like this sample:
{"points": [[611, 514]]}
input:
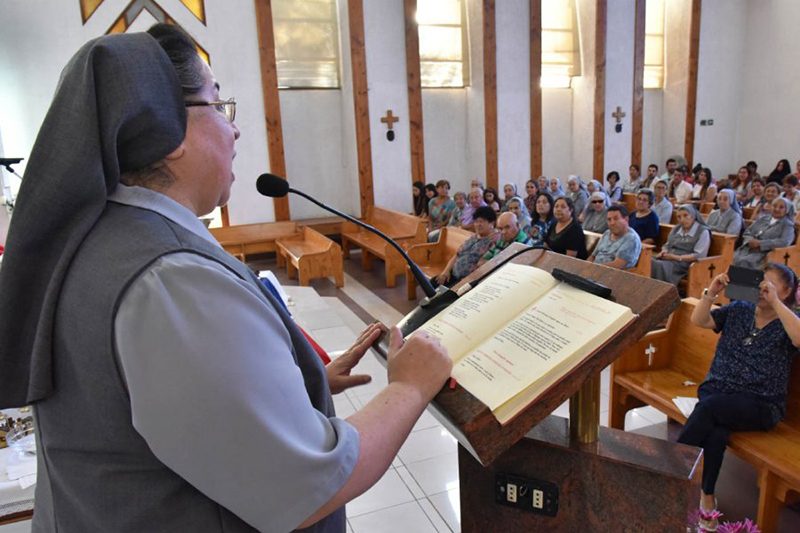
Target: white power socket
{"points": [[538, 499], [511, 492]]}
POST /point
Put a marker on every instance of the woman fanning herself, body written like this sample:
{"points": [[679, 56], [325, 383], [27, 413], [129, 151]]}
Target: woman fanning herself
{"points": [[746, 387], [566, 235], [765, 234], [688, 241]]}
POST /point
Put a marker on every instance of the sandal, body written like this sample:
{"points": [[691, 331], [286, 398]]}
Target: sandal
{"points": [[708, 521]]}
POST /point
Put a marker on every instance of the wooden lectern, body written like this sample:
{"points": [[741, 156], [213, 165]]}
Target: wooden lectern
{"points": [[583, 477]]}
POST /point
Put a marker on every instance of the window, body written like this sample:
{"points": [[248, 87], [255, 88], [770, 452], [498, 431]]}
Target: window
{"points": [[654, 45], [560, 49], [306, 43], [442, 43]]}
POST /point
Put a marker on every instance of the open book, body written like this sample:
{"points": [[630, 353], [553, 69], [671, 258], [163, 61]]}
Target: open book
{"points": [[519, 332]]}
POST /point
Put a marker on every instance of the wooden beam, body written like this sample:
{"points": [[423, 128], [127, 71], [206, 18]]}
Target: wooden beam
{"points": [[358, 59], [272, 102], [637, 119], [599, 90], [490, 91], [691, 88], [536, 87], [414, 93]]}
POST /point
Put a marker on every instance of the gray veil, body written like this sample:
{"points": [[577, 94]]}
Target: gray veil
{"points": [[118, 107]]}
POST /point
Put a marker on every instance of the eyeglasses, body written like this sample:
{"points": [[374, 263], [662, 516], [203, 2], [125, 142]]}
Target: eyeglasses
{"points": [[598, 201], [226, 107]]}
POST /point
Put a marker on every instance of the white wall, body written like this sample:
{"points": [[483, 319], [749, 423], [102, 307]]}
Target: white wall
{"points": [[719, 87], [512, 19], [444, 113], [676, 37], [769, 116], [619, 85], [557, 132], [652, 130], [583, 95]]}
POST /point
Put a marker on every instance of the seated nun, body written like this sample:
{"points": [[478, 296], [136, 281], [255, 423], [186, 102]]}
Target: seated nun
{"points": [[766, 233], [595, 217], [688, 241], [728, 218]]}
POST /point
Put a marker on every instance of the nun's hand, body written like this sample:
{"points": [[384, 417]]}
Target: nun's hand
{"points": [[754, 244]]}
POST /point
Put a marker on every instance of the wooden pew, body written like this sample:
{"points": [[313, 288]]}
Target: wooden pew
{"points": [[683, 353], [644, 265], [787, 255], [310, 254], [433, 257], [248, 239], [592, 239], [403, 228], [707, 207], [629, 200], [702, 271]]}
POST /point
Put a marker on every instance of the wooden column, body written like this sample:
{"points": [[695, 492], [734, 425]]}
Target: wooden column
{"points": [[599, 90], [272, 103], [414, 93], [358, 58], [536, 87], [490, 91], [691, 89], [637, 118]]}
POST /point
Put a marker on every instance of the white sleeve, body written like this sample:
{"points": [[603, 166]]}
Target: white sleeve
{"points": [[216, 393]]}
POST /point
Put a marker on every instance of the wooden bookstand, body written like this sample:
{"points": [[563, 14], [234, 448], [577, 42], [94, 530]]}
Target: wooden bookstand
{"points": [[607, 480]]}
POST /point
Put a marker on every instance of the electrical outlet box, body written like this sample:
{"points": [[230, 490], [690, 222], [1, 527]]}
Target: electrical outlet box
{"points": [[528, 494]]}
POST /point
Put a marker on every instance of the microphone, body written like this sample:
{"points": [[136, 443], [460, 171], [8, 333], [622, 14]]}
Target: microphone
{"points": [[277, 187]]}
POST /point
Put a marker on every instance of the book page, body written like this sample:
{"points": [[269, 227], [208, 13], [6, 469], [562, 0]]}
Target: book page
{"points": [[566, 323], [488, 307]]}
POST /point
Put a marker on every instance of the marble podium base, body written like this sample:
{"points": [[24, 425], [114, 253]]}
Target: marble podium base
{"points": [[622, 482]]}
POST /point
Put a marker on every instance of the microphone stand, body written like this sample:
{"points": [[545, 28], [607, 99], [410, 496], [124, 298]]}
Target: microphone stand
{"points": [[435, 299]]}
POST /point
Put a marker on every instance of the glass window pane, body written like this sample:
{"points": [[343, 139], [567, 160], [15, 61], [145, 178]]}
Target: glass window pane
{"points": [[436, 42], [560, 58], [654, 16], [441, 73], [303, 9], [441, 43], [306, 43], [305, 40], [439, 12], [653, 50]]}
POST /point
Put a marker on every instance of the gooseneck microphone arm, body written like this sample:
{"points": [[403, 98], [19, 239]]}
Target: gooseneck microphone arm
{"points": [[421, 278]]}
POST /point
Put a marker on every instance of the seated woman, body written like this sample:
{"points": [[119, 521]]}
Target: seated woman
{"points": [[541, 219], [491, 199], [771, 191], [475, 201], [765, 234], [420, 200], [756, 195], [566, 234], [456, 217], [746, 387], [704, 188], [728, 218], [595, 217], [688, 241], [517, 206], [613, 188], [430, 194], [662, 207], [531, 191], [576, 191], [440, 207], [555, 190], [509, 192], [469, 254], [644, 220]]}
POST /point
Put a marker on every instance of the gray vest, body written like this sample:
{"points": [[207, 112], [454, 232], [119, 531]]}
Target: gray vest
{"points": [[96, 473], [684, 244]]}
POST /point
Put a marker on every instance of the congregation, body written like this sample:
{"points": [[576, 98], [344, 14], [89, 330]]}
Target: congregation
{"points": [[759, 212]]}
